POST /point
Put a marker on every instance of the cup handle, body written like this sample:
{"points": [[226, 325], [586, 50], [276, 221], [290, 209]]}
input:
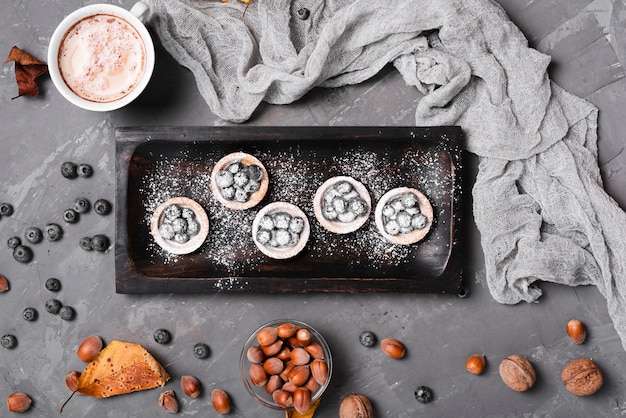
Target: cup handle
{"points": [[140, 10]]}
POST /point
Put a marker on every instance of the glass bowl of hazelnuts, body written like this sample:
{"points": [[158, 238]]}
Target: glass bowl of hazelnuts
{"points": [[286, 364]]}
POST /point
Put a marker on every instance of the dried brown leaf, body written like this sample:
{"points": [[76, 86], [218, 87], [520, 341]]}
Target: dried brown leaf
{"points": [[27, 69]]}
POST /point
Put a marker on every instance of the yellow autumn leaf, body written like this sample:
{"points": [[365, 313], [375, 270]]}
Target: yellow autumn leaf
{"points": [[307, 414]]}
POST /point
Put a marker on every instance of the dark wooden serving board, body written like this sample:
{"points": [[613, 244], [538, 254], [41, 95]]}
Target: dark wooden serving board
{"points": [[156, 163]]}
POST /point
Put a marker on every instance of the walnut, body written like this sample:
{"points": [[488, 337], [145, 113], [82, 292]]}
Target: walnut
{"points": [[355, 406], [517, 373], [582, 377]]}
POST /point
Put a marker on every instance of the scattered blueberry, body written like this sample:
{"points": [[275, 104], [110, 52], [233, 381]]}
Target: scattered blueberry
{"points": [[100, 242], [6, 209], [423, 394], [29, 314], [84, 170], [70, 216], [303, 13], [68, 170], [201, 351], [367, 339], [162, 336], [8, 341], [85, 243], [102, 207], [81, 205], [23, 254], [53, 285], [14, 242], [53, 306], [67, 313], [33, 235], [53, 232]]}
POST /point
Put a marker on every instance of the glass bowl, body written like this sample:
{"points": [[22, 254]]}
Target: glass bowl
{"points": [[259, 392]]}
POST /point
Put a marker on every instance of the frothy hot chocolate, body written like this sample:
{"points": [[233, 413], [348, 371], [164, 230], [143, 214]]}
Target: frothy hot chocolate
{"points": [[102, 58]]}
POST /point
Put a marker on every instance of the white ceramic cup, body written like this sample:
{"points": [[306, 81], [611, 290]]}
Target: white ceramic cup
{"points": [[135, 18]]}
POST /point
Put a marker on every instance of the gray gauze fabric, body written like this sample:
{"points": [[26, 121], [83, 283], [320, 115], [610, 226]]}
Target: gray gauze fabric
{"points": [[539, 201]]}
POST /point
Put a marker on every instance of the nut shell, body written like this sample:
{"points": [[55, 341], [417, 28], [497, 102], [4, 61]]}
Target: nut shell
{"points": [[220, 401], [71, 380], [191, 386], [4, 284], [356, 406], [168, 401], [576, 331], [517, 373], [89, 348], [582, 377], [302, 400], [393, 348], [18, 402], [475, 364]]}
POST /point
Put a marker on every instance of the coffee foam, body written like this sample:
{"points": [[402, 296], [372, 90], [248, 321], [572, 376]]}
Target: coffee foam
{"points": [[102, 58]]}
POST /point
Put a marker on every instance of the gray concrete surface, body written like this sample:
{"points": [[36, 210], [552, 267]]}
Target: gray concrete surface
{"points": [[587, 40]]}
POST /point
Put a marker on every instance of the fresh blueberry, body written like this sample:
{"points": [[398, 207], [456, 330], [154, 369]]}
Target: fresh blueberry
{"points": [[367, 339], [224, 179], [14, 242], [102, 207], [241, 195], [29, 314], [53, 285], [162, 336], [100, 242], [201, 351], [81, 205], [23, 254], [179, 225], [172, 212], [84, 170], [68, 170], [423, 394], [187, 213], [6, 209], [181, 238], [53, 306], [33, 235], [67, 313], [166, 230], [85, 243], [53, 232], [254, 172], [70, 216], [193, 227], [303, 13], [8, 341]]}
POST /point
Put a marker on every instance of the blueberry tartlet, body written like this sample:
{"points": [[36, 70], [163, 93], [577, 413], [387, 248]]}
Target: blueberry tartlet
{"points": [[342, 204], [239, 181], [404, 216], [280, 230], [179, 225]]}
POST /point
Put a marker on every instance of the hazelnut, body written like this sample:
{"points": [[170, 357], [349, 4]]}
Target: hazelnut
{"points": [[302, 400], [71, 380], [273, 365], [191, 386], [475, 364], [267, 336], [283, 398], [255, 354], [287, 370], [356, 406], [284, 354], [576, 331], [18, 402], [286, 330], [299, 375], [273, 349], [311, 385], [4, 284], [167, 400], [517, 373], [299, 356], [289, 387], [582, 377], [89, 348], [304, 336], [258, 377], [319, 370], [315, 350], [393, 348], [220, 401], [273, 384]]}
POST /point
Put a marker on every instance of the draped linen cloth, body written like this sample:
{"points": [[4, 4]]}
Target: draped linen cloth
{"points": [[539, 201]]}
